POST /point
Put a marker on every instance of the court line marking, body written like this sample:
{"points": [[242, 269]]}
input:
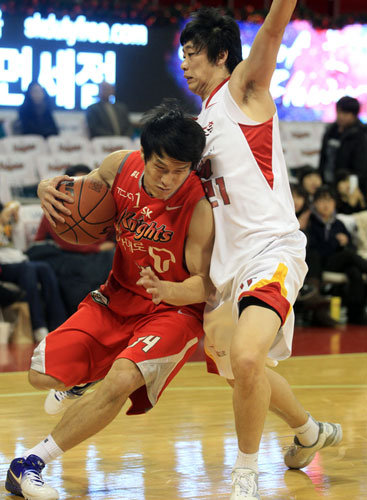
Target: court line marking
{"points": [[206, 388]]}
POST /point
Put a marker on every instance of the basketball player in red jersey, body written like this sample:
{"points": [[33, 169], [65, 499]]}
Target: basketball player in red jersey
{"points": [[258, 262], [139, 328]]}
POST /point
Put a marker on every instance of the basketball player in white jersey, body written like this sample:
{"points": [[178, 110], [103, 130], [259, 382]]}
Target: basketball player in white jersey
{"points": [[258, 263]]}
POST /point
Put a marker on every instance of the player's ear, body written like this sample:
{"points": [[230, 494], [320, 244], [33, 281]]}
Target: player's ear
{"points": [[142, 153], [222, 57]]}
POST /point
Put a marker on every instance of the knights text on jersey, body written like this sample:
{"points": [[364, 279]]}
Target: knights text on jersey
{"points": [[246, 181], [150, 231]]}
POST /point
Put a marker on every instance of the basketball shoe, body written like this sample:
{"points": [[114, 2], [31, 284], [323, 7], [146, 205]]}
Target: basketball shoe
{"points": [[58, 401], [25, 480], [298, 456], [244, 485]]}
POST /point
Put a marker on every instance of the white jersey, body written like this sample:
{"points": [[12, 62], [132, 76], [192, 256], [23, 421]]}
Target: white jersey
{"points": [[246, 181]]}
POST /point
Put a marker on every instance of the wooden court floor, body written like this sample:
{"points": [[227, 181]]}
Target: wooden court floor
{"points": [[185, 447]]}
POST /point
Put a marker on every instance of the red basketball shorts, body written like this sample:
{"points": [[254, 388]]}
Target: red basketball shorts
{"points": [[84, 348]]}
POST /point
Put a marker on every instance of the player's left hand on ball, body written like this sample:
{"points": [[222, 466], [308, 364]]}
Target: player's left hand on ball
{"points": [[52, 200], [152, 284]]}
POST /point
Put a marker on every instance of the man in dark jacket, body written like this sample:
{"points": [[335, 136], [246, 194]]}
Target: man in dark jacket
{"points": [[344, 144], [330, 248], [107, 117]]}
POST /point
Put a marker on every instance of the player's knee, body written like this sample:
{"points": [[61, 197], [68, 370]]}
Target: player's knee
{"points": [[123, 379], [42, 381], [246, 366]]}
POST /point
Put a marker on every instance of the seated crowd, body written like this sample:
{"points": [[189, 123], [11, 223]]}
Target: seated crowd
{"points": [[53, 276]]}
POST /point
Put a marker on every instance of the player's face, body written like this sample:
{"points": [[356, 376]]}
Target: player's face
{"points": [[201, 75], [164, 175]]}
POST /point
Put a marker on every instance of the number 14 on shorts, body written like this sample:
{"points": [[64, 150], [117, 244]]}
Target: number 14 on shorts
{"points": [[149, 341]]}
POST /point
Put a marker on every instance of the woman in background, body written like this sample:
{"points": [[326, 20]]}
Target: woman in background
{"points": [[35, 116]]}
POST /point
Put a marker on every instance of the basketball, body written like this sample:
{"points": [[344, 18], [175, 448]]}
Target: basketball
{"points": [[92, 213]]}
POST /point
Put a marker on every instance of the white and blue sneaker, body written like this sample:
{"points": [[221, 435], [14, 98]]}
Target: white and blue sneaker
{"points": [[58, 401], [244, 485], [24, 479], [299, 456]]}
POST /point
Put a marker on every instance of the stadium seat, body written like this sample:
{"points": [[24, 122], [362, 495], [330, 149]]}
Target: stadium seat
{"points": [[102, 146], [23, 144], [56, 163], [68, 144], [17, 171]]}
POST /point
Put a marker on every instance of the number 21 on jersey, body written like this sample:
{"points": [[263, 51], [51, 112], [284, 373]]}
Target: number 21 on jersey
{"points": [[210, 193], [212, 185]]}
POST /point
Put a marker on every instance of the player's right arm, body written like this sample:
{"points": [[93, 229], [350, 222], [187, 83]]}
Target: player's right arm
{"points": [[250, 80], [52, 200]]}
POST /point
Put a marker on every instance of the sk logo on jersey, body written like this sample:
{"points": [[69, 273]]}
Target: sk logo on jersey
{"points": [[147, 212]]}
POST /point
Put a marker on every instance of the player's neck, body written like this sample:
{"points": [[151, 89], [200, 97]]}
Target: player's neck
{"points": [[214, 84]]}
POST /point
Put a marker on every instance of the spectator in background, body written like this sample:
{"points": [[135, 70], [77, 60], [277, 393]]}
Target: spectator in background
{"points": [[107, 117], [310, 304], [344, 144], [46, 307], [350, 198], [35, 115], [301, 205], [330, 248], [79, 268], [310, 180]]}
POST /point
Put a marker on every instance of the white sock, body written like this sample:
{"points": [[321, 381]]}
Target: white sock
{"points": [[308, 433], [247, 461], [46, 449]]}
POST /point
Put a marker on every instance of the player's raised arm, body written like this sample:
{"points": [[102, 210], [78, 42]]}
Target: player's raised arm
{"points": [[198, 250], [255, 73]]}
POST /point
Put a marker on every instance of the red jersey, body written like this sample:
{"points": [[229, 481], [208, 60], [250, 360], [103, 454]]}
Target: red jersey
{"points": [[149, 232]]}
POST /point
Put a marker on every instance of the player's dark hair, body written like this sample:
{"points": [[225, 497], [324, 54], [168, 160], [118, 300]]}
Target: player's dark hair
{"points": [[349, 105], [168, 130], [210, 30]]}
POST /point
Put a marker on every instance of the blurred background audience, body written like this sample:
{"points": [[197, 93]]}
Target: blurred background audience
{"points": [[36, 279], [344, 144], [79, 268], [327, 163], [35, 114], [108, 117]]}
